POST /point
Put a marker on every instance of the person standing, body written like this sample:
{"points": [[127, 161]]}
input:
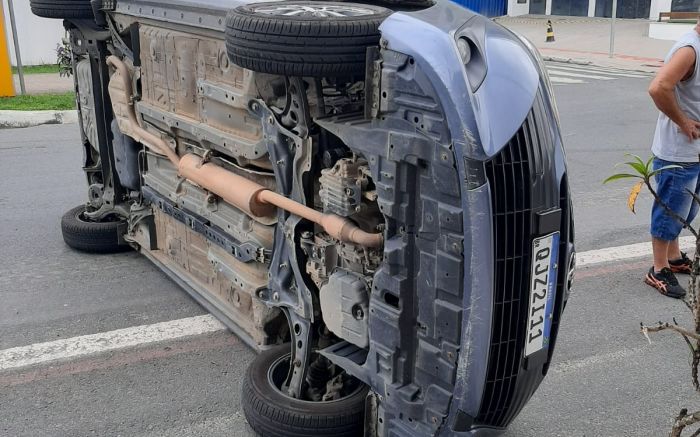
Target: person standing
{"points": [[676, 92]]}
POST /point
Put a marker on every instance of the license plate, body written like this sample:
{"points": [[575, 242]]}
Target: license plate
{"points": [[543, 282]]}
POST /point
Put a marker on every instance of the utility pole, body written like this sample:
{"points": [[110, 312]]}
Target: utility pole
{"points": [[18, 56], [612, 28]]}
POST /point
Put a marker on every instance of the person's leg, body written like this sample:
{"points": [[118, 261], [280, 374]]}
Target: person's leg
{"points": [[674, 251], [675, 255], [672, 189], [660, 248]]}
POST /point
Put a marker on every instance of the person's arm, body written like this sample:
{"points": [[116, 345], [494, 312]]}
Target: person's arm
{"points": [[680, 67]]}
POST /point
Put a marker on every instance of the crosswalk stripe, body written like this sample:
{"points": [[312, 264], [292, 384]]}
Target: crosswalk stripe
{"points": [[555, 79], [553, 72], [107, 341], [621, 253], [600, 71]]}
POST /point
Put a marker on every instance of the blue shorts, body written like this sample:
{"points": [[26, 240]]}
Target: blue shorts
{"points": [[672, 186]]}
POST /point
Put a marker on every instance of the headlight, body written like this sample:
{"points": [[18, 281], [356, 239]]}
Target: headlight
{"points": [[465, 52], [473, 61]]}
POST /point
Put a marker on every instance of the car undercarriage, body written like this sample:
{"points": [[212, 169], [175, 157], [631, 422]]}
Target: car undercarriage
{"points": [[367, 208]]}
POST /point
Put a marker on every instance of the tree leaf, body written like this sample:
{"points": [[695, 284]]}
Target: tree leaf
{"points": [[668, 167], [639, 167], [648, 164], [634, 193], [621, 176], [639, 161]]}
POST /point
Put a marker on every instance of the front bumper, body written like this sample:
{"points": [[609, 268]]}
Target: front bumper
{"points": [[511, 163]]}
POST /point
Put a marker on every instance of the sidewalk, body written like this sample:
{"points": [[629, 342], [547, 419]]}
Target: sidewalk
{"points": [[586, 39], [44, 83]]}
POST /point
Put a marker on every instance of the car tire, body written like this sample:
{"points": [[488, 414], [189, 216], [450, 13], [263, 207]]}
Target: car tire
{"points": [[92, 237], [62, 8], [260, 37], [272, 413]]}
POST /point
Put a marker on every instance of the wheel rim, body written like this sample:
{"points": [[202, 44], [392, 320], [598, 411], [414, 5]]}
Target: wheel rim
{"points": [[110, 218], [277, 374], [321, 11]]}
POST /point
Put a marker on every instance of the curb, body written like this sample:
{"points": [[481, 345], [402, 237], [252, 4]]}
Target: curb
{"points": [[20, 119]]}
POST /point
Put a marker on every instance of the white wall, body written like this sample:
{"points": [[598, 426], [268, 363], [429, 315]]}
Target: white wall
{"points": [[658, 6], [515, 8], [669, 31], [37, 36]]}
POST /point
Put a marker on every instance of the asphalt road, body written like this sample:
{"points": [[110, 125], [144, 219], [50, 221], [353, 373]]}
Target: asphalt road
{"points": [[606, 379]]}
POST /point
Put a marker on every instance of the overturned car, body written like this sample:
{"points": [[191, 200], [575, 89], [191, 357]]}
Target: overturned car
{"points": [[371, 195]]}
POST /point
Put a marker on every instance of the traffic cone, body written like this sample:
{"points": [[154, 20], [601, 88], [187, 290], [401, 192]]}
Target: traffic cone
{"points": [[550, 32]]}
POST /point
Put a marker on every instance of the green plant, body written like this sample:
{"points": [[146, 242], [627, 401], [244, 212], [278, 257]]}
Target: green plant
{"points": [[38, 69], [37, 102], [643, 171], [64, 58]]}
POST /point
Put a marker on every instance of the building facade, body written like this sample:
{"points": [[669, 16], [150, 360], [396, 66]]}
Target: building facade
{"points": [[646, 9]]}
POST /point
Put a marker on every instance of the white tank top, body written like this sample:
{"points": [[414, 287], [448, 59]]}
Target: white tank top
{"points": [[670, 143]]}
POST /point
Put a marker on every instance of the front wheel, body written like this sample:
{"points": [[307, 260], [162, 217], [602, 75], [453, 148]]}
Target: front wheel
{"points": [[271, 412]]}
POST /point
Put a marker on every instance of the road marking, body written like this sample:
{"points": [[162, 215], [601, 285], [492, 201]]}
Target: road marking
{"points": [[593, 360], [620, 73], [94, 344], [126, 357], [555, 72], [107, 341], [555, 79], [621, 253]]}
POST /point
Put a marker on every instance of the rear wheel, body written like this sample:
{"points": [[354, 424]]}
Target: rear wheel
{"points": [[303, 38], [62, 8], [85, 235], [271, 412]]}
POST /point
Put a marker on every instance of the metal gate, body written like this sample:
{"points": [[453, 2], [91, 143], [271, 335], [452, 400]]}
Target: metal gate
{"points": [[625, 8], [577, 8]]}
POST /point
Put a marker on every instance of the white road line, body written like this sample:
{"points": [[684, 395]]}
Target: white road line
{"points": [[176, 329], [107, 341], [621, 253], [599, 71], [555, 79], [609, 358], [553, 71]]}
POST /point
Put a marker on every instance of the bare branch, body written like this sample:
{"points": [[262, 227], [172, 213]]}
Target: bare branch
{"points": [[665, 326], [685, 337], [694, 368], [682, 420], [671, 212], [696, 198]]}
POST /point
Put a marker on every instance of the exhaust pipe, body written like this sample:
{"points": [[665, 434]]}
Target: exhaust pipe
{"points": [[259, 201], [135, 130], [254, 199]]}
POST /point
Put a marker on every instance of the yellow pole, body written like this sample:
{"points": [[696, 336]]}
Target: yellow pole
{"points": [[7, 86]]}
